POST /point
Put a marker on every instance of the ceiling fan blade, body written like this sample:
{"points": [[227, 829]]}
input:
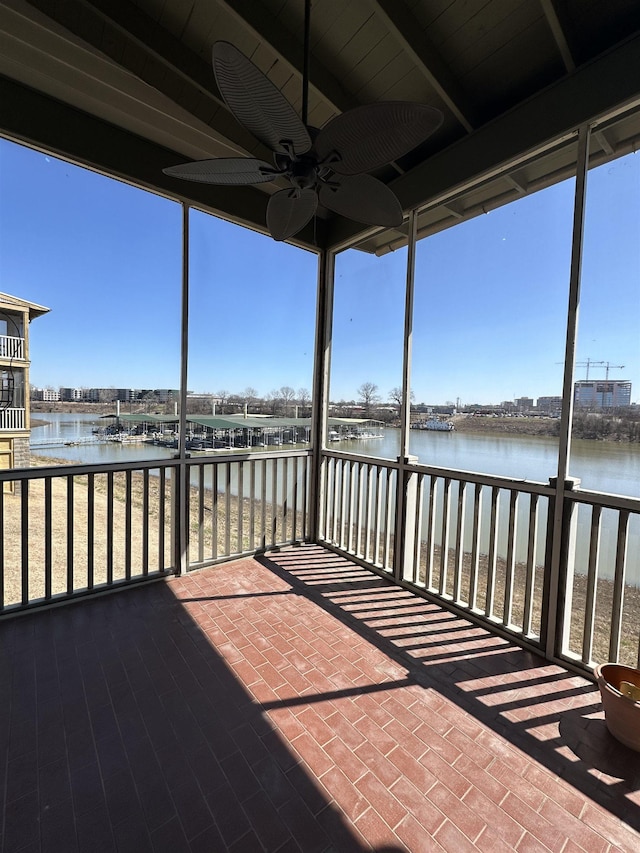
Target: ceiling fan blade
{"points": [[363, 198], [256, 102], [289, 210], [229, 171], [367, 137]]}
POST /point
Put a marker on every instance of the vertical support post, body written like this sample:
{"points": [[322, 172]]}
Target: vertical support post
{"points": [[552, 617], [406, 492], [320, 391], [181, 488]]}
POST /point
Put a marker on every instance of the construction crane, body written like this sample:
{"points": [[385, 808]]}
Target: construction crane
{"points": [[607, 365]]}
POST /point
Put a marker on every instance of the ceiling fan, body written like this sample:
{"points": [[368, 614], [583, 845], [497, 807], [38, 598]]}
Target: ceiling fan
{"points": [[327, 166]]}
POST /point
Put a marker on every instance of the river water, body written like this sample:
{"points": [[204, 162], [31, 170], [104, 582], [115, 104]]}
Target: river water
{"points": [[601, 466]]}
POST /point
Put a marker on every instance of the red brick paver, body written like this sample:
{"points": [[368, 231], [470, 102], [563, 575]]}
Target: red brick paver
{"points": [[297, 702]]}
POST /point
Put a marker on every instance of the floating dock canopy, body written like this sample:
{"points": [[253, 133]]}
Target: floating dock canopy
{"points": [[156, 420], [240, 422]]}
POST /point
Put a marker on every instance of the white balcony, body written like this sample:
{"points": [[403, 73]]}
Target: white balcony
{"points": [[13, 419], [12, 348]]}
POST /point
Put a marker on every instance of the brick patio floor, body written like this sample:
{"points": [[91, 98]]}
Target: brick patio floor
{"points": [[297, 702]]}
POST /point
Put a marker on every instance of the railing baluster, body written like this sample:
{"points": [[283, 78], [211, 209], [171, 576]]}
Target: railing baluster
{"points": [[431, 523], [305, 496], [343, 502], [215, 515], [70, 514], [360, 468], [417, 533], [334, 505], [510, 567], [592, 576], [444, 535], [24, 541], [227, 509], [492, 557], [285, 500], [263, 504], [369, 513], [474, 569], [391, 486], [145, 522], [378, 516], [294, 499], [352, 546], [90, 532], [109, 531], [274, 502], [240, 475], [459, 553], [162, 487], [201, 510], [532, 544], [618, 586], [252, 505], [127, 526]]}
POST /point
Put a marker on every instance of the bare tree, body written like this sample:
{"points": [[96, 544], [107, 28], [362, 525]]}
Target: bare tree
{"points": [[287, 396], [304, 398], [368, 396], [273, 401], [395, 395]]}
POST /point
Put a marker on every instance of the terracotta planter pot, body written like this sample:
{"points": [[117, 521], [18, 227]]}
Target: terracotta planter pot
{"points": [[621, 713]]}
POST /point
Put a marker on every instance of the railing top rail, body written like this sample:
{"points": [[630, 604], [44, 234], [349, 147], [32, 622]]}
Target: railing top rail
{"points": [[605, 500], [497, 480], [42, 471], [246, 457], [358, 457], [77, 469], [529, 486]]}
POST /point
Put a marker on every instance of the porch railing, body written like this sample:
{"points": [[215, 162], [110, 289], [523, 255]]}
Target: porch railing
{"points": [[12, 419], [482, 544], [11, 347], [69, 531], [477, 543]]}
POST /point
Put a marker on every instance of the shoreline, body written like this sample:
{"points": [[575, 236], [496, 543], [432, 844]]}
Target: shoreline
{"points": [[585, 427]]}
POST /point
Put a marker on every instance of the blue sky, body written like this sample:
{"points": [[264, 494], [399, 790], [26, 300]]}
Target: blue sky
{"points": [[489, 307]]}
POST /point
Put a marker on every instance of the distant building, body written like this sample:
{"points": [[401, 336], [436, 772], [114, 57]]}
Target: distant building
{"points": [[550, 404], [72, 395], [524, 404], [110, 395], [15, 426], [46, 395], [601, 394]]}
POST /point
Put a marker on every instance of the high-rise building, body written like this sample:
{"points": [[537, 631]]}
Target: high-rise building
{"points": [[601, 393]]}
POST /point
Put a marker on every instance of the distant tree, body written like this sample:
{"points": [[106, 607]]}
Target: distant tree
{"points": [[368, 395], [273, 401], [304, 398], [287, 396], [223, 396], [395, 395]]}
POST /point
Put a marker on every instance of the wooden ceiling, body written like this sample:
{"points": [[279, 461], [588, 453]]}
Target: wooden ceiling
{"points": [[126, 86]]}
